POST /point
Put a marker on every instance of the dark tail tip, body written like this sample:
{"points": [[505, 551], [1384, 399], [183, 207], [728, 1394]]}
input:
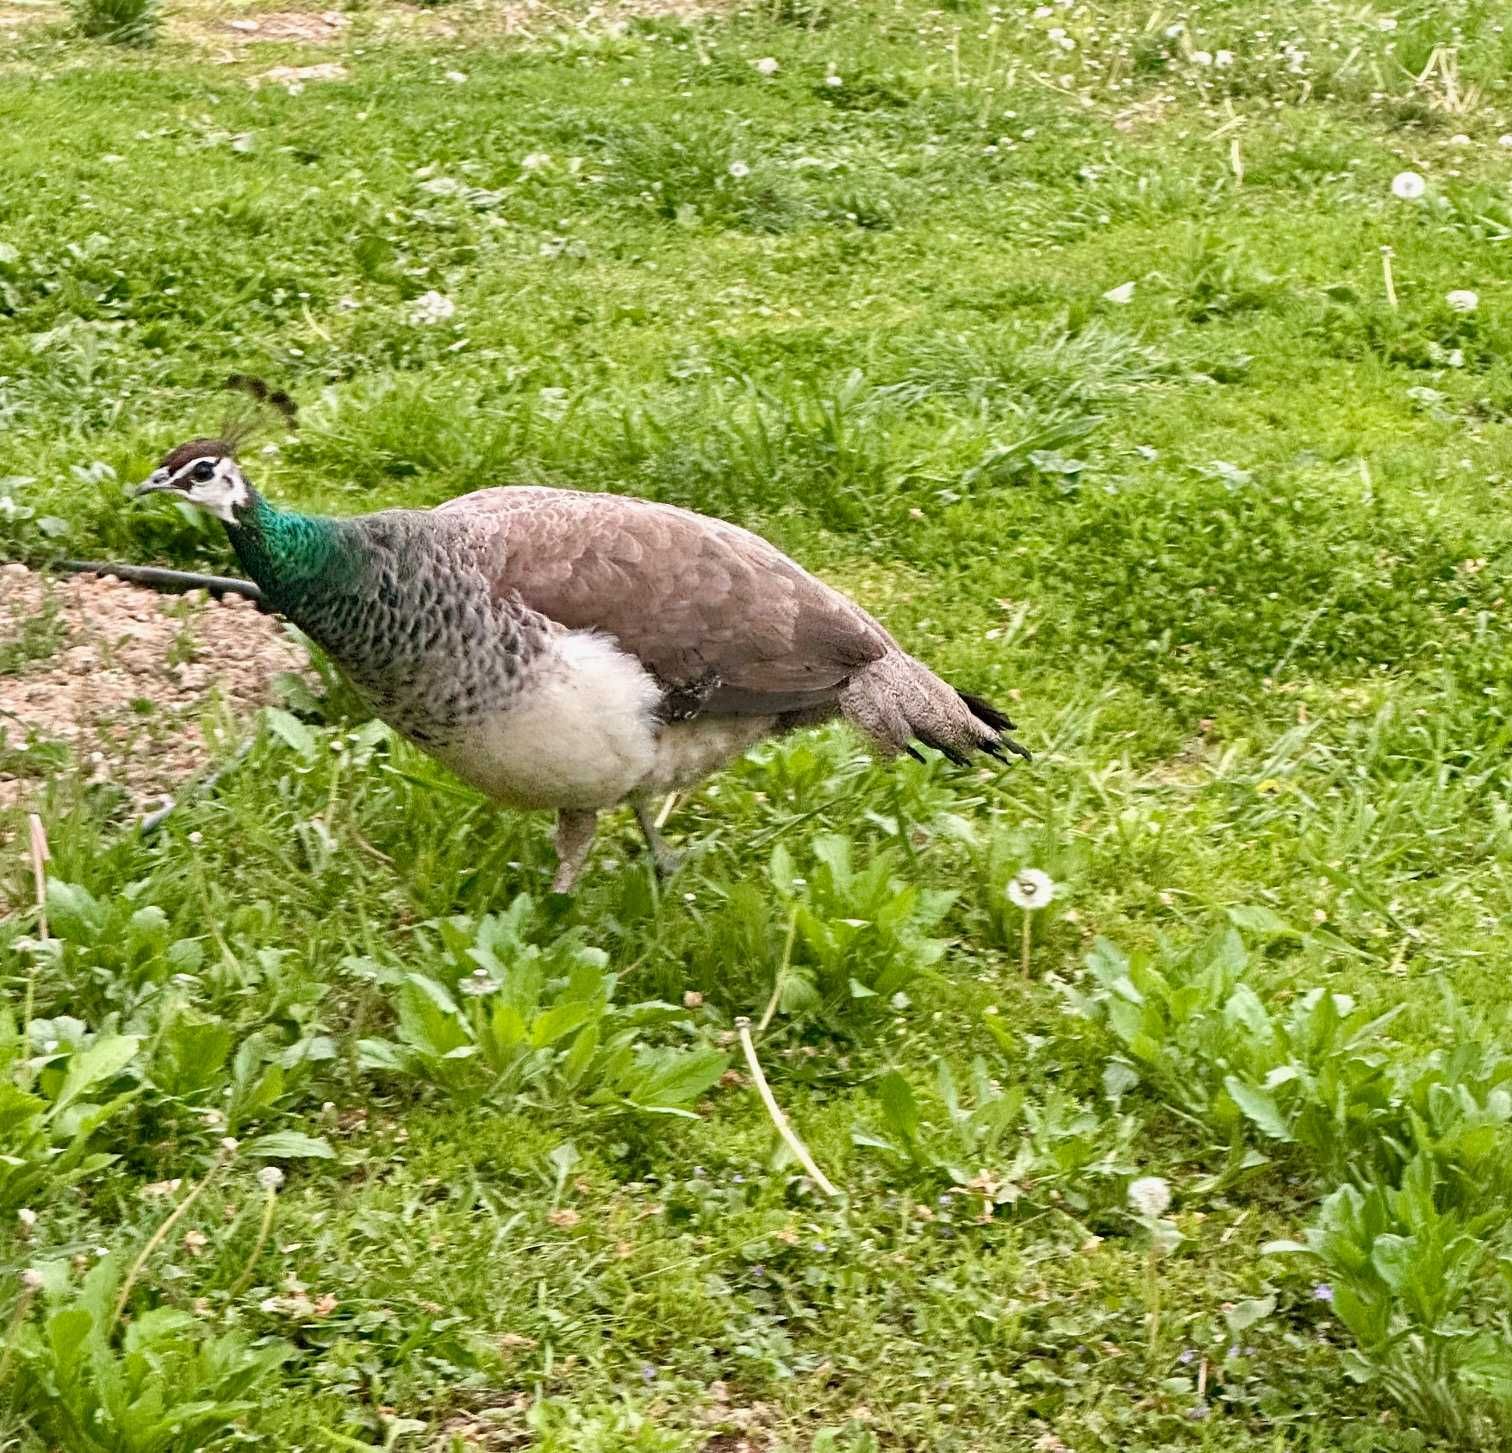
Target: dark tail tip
{"points": [[950, 753], [986, 713]]}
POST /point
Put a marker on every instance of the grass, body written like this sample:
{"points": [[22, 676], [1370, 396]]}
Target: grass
{"points": [[1235, 549]]}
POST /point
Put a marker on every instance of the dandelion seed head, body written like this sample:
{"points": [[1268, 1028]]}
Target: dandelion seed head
{"points": [[1150, 1196], [270, 1178], [767, 65], [431, 307], [1408, 186], [1462, 300], [1031, 889], [739, 169]]}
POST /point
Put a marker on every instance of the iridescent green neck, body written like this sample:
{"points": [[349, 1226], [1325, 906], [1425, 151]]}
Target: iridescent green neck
{"points": [[291, 555]]}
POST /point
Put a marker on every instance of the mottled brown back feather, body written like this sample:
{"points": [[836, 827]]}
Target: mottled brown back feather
{"points": [[693, 598]]}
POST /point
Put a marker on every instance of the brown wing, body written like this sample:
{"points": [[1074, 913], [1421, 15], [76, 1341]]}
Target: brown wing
{"points": [[695, 599]]}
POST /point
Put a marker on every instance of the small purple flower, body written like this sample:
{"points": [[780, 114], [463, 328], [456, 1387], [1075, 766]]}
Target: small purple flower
{"points": [[758, 1272], [1198, 1412], [738, 1179], [648, 1372], [1188, 1354], [1323, 1292], [820, 1247]]}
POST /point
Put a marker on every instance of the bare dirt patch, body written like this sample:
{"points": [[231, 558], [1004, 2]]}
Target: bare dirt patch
{"points": [[283, 25], [112, 682], [467, 20]]}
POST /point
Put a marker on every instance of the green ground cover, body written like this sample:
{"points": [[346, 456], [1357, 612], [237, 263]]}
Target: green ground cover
{"points": [[1062, 339]]}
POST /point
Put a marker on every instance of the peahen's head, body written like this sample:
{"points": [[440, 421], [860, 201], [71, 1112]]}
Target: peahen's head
{"points": [[203, 472]]}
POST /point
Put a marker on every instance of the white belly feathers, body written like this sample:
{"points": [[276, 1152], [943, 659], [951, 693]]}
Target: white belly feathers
{"points": [[582, 734]]}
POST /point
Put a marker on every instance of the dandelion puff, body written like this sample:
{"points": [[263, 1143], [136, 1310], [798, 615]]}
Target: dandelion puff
{"points": [[833, 80], [1150, 1196], [767, 65], [1031, 889], [1408, 186], [739, 169], [270, 1178], [1223, 58], [1462, 300], [431, 307], [1028, 891]]}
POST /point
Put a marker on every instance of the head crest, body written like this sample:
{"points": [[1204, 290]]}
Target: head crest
{"points": [[256, 415]]}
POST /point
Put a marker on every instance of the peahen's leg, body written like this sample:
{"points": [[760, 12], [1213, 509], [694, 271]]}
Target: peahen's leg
{"points": [[663, 858], [574, 836]]}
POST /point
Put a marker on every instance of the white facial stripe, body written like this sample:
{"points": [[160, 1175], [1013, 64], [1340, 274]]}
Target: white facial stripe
{"points": [[186, 471], [221, 494]]}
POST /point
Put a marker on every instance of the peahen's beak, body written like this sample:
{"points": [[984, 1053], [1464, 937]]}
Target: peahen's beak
{"points": [[156, 481]]}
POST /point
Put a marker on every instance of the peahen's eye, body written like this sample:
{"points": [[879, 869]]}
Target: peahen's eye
{"points": [[203, 472]]}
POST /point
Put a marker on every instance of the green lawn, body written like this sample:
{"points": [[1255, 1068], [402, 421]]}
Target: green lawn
{"points": [[1061, 339]]}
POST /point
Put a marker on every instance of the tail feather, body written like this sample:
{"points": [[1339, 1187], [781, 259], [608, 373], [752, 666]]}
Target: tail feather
{"points": [[897, 700]]}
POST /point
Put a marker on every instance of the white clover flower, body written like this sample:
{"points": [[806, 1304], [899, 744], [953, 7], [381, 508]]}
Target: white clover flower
{"points": [[739, 169], [229, 1144], [31, 1279], [1408, 186], [27, 1217], [533, 161], [270, 1178], [1202, 58], [457, 78], [1462, 300], [767, 65], [833, 80], [431, 307], [1150, 1196], [1031, 889], [1123, 293], [1386, 23], [1223, 58], [1505, 139]]}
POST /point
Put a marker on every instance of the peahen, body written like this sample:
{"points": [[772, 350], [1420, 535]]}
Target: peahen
{"points": [[573, 651]]}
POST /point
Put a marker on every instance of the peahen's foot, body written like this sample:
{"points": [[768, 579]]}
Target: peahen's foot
{"points": [[664, 858]]}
